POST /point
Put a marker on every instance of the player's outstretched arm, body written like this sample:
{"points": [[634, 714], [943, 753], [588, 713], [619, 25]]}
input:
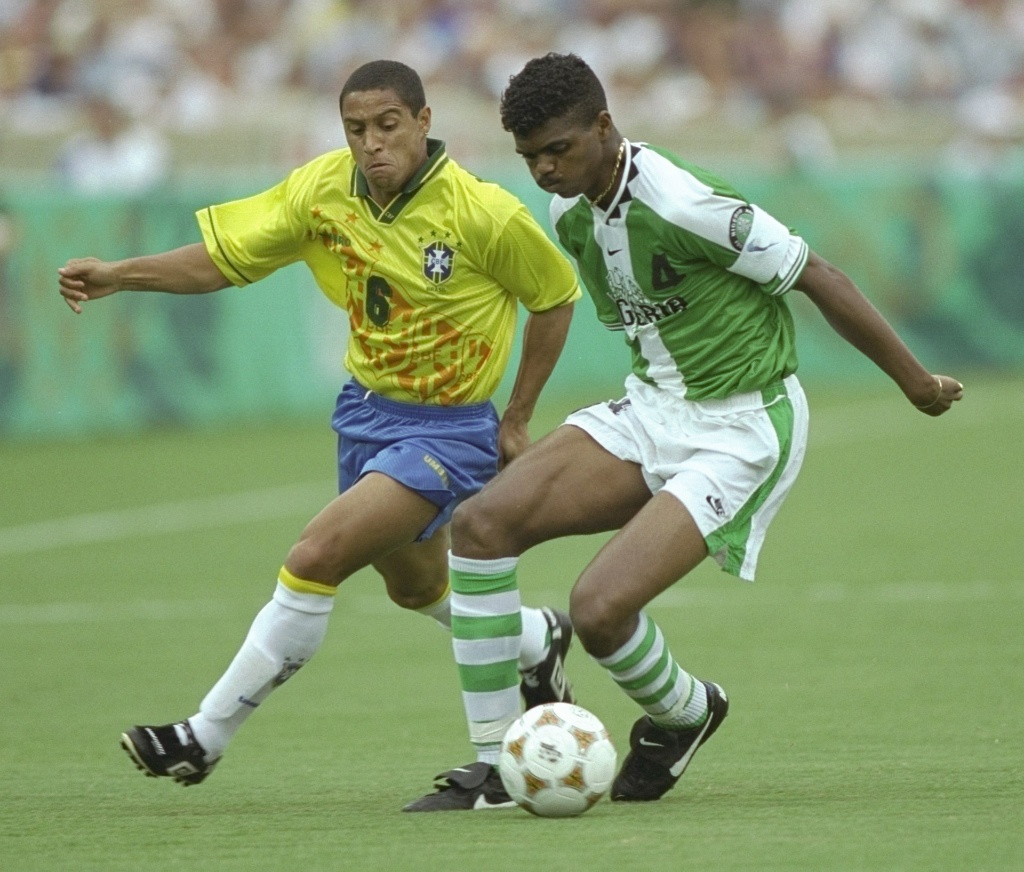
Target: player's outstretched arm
{"points": [[543, 339], [186, 270], [853, 317]]}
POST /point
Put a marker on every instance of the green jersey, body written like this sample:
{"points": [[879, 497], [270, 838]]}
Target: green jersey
{"points": [[692, 272]]}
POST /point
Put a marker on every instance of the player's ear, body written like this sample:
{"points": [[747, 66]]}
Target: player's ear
{"points": [[424, 120]]}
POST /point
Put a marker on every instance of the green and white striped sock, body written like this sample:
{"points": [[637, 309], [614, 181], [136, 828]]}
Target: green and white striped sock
{"points": [[645, 669], [486, 637]]}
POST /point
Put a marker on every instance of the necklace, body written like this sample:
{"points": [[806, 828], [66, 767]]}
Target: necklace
{"points": [[615, 174]]}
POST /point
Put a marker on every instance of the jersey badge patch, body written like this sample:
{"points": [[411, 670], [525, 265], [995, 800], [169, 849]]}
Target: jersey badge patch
{"points": [[438, 262], [739, 226]]}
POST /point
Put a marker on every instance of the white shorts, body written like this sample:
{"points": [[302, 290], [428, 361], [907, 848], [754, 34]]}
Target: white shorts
{"points": [[729, 462]]}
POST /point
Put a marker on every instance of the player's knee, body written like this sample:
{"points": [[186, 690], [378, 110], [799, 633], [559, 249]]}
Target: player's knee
{"points": [[406, 600], [480, 531], [412, 594], [311, 560], [414, 587]]}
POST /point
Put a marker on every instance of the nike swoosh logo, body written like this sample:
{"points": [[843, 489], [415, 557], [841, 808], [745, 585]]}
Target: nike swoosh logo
{"points": [[651, 744], [613, 251], [681, 764], [483, 802], [756, 248]]}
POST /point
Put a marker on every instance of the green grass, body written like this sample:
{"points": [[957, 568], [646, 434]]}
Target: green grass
{"points": [[874, 669]]}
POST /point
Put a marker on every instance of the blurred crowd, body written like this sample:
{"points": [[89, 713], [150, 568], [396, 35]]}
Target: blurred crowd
{"points": [[126, 81]]}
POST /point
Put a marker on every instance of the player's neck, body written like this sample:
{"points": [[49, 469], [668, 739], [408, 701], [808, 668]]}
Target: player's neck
{"points": [[602, 199], [382, 198]]}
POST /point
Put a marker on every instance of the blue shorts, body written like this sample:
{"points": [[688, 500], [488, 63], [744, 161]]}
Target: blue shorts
{"points": [[443, 453]]}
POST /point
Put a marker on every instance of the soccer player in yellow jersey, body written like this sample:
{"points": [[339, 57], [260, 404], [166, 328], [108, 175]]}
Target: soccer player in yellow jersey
{"points": [[430, 263]]}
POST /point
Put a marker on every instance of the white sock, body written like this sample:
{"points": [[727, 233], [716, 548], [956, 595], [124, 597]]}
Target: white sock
{"points": [[536, 638], [441, 609], [285, 635]]}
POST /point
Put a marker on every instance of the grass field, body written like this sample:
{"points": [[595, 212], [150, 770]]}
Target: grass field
{"points": [[874, 669]]}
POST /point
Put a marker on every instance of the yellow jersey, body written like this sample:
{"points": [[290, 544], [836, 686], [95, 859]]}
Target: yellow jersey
{"points": [[430, 282]]}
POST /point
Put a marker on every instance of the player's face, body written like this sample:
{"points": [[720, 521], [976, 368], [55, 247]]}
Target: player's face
{"points": [[566, 158], [388, 142]]}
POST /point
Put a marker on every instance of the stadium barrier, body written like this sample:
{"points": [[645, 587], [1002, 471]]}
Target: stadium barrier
{"points": [[938, 256]]}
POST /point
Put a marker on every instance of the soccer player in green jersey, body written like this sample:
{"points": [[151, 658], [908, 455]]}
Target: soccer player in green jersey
{"points": [[697, 457], [430, 263]]}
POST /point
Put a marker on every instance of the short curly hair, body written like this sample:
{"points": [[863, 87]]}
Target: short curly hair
{"points": [[552, 86]]}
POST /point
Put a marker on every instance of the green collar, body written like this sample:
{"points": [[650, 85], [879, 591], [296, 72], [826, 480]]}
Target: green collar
{"points": [[436, 158]]}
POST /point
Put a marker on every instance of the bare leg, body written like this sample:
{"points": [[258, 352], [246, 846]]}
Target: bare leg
{"points": [[564, 485], [652, 552], [374, 520], [368, 524]]}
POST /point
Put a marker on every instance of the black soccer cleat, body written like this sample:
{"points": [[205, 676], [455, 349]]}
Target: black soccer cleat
{"points": [[546, 682], [472, 787], [158, 751], [658, 757]]}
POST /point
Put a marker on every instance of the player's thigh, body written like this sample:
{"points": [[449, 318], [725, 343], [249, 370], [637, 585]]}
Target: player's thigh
{"points": [[368, 521], [416, 574], [565, 484]]}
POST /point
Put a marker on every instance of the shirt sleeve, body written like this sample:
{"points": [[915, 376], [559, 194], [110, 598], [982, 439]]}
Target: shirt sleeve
{"points": [[771, 255], [524, 260], [715, 223], [251, 238], [745, 240]]}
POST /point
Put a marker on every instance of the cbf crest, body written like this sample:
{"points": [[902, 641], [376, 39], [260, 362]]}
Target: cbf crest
{"points": [[438, 261]]}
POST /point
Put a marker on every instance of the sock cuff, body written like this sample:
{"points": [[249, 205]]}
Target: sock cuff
{"points": [[311, 597], [471, 566], [302, 585]]}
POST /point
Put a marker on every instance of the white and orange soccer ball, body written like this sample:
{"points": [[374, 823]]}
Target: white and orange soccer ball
{"points": [[557, 760]]}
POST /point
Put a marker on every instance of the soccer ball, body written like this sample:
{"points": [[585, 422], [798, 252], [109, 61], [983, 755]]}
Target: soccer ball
{"points": [[557, 760]]}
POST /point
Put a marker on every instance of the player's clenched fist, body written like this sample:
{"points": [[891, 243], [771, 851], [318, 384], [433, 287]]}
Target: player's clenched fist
{"points": [[86, 278]]}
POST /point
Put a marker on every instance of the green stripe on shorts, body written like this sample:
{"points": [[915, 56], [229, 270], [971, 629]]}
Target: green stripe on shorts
{"points": [[734, 535]]}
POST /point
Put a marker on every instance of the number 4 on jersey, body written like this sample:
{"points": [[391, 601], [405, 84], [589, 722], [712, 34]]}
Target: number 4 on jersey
{"points": [[663, 275]]}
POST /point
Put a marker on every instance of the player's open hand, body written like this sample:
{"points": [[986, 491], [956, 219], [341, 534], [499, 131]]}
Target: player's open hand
{"points": [[513, 440], [946, 391], [86, 278]]}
